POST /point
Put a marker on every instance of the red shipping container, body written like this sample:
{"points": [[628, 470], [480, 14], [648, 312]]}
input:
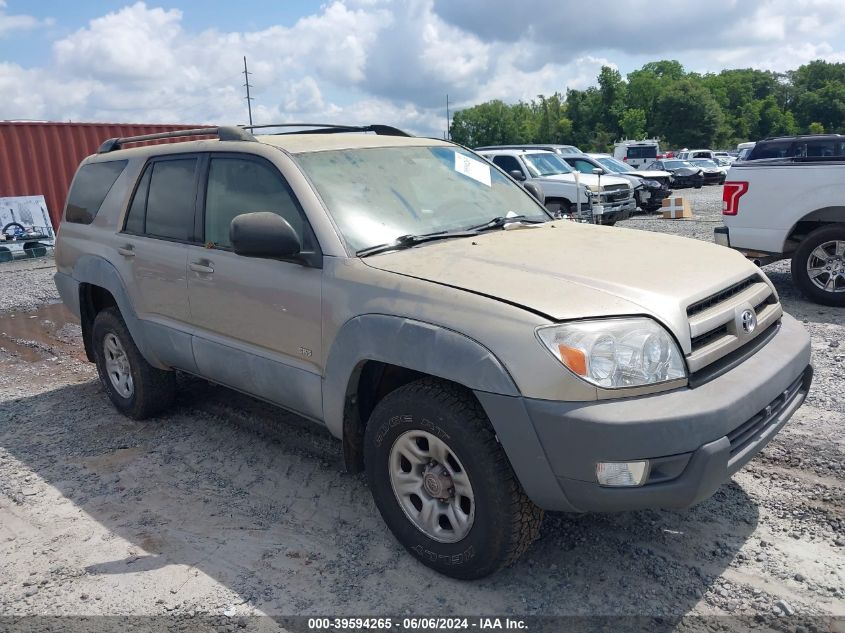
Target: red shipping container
{"points": [[40, 158]]}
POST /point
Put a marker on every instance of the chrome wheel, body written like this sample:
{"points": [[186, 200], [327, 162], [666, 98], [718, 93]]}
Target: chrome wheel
{"points": [[826, 266], [117, 366], [431, 486]]}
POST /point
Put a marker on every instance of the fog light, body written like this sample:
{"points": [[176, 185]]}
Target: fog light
{"points": [[622, 473]]}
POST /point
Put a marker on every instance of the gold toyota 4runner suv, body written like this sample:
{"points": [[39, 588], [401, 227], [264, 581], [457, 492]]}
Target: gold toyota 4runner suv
{"points": [[481, 360]]}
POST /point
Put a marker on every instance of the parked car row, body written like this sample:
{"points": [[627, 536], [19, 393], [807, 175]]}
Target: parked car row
{"points": [[613, 187]]}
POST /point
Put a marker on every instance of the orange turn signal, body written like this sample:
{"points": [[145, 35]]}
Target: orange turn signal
{"points": [[573, 358]]}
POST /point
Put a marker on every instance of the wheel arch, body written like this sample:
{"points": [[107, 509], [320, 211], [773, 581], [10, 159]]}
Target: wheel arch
{"points": [[374, 354], [100, 285], [811, 221]]}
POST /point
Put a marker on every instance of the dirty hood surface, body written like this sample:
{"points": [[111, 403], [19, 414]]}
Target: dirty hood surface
{"points": [[565, 270]]}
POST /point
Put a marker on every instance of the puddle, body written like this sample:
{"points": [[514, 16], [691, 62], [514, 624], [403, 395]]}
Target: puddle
{"points": [[40, 334]]}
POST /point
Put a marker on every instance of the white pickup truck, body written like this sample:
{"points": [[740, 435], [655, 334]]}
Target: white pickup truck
{"points": [[790, 208]]}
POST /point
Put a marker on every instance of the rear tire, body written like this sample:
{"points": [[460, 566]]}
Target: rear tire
{"points": [[135, 387], [818, 266], [430, 436]]}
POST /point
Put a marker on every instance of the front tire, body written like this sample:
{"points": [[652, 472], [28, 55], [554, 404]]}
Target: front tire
{"points": [[818, 266], [442, 482], [135, 387]]}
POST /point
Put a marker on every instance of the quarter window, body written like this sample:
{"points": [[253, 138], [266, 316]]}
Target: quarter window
{"points": [[90, 188], [237, 186]]}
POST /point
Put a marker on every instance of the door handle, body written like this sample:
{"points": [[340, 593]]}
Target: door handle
{"points": [[199, 267], [126, 251]]}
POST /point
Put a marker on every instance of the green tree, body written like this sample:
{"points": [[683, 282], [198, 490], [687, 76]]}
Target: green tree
{"points": [[612, 93], [489, 123], [816, 128], [633, 123], [687, 114]]}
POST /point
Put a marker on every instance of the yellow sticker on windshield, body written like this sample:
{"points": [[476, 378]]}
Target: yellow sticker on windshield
{"points": [[472, 168]]}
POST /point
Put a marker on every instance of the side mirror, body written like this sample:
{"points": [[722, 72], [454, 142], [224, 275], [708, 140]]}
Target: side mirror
{"points": [[598, 171], [535, 190], [516, 174], [263, 234]]}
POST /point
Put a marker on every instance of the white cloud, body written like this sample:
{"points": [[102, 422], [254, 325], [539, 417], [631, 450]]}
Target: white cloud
{"points": [[368, 61], [20, 22]]}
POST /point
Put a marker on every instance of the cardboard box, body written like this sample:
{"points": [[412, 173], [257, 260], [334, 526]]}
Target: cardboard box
{"points": [[674, 208]]}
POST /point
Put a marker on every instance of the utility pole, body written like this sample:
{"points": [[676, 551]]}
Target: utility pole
{"points": [[248, 98], [448, 131]]}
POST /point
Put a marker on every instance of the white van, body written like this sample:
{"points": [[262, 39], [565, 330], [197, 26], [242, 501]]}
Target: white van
{"points": [[637, 154]]}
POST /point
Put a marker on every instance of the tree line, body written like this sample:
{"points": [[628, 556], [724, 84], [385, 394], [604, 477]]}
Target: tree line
{"points": [[663, 100]]}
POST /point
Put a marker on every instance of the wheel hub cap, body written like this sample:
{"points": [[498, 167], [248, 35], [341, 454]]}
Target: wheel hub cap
{"points": [[826, 266], [431, 486], [438, 483], [117, 366]]}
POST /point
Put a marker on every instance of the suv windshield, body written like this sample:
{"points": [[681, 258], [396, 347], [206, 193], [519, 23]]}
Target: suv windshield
{"points": [[616, 166], [546, 164], [378, 194], [703, 162]]}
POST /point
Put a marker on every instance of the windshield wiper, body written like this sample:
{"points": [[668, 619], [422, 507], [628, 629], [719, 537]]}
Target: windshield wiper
{"points": [[500, 221], [407, 241]]}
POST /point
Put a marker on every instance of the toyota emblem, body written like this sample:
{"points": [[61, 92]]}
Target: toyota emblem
{"points": [[748, 320]]}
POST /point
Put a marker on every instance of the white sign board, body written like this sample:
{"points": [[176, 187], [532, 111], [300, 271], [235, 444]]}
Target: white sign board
{"points": [[25, 218]]}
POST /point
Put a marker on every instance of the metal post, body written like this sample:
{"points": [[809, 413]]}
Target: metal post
{"points": [[248, 98], [448, 131]]}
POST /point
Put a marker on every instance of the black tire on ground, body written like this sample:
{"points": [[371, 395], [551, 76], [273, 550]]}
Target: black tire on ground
{"points": [[801, 259], [699, 185], [153, 389], [505, 523]]}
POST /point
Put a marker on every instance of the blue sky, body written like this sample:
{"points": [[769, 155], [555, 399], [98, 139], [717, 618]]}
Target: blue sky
{"points": [[362, 61]]}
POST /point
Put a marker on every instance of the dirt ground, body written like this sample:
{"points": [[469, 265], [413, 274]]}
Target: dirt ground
{"points": [[229, 507]]}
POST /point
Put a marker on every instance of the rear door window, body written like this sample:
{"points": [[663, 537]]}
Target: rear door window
{"points": [[164, 203], [642, 151], [90, 188]]}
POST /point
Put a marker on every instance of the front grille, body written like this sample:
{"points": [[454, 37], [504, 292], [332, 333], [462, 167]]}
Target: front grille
{"points": [[715, 330], [753, 429], [725, 294]]}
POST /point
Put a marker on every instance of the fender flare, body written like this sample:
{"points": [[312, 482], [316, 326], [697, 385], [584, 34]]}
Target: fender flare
{"points": [[416, 345], [831, 214], [97, 271]]}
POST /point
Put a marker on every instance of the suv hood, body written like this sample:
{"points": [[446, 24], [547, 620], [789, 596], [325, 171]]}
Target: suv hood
{"points": [[564, 270], [590, 180], [649, 173]]}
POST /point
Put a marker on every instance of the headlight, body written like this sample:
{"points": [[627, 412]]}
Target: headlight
{"points": [[594, 188], [613, 353], [651, 183]]}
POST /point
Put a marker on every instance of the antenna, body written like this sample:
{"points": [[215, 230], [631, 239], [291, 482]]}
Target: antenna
{"points": [[248, 98]]}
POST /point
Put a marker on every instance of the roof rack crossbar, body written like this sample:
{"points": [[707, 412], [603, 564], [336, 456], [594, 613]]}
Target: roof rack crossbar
{"points": [[330, 128], [223, 133]]}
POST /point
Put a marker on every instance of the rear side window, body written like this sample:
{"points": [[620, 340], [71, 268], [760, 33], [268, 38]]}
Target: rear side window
{"points": [[773, 149], [164, 202], [90, 187], [642, 151]]}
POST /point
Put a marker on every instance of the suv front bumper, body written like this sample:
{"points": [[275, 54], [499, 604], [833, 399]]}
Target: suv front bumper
{"points": [[694, 438]]}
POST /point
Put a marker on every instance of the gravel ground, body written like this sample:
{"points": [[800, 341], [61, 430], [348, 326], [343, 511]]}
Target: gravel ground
{"points": [[228, 507]]}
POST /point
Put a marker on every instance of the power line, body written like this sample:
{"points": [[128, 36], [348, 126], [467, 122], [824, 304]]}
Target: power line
{"points": [[248, 98]]}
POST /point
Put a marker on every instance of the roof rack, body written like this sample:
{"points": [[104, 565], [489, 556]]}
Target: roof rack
{"points": [[330, 128], [223, 133]]}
